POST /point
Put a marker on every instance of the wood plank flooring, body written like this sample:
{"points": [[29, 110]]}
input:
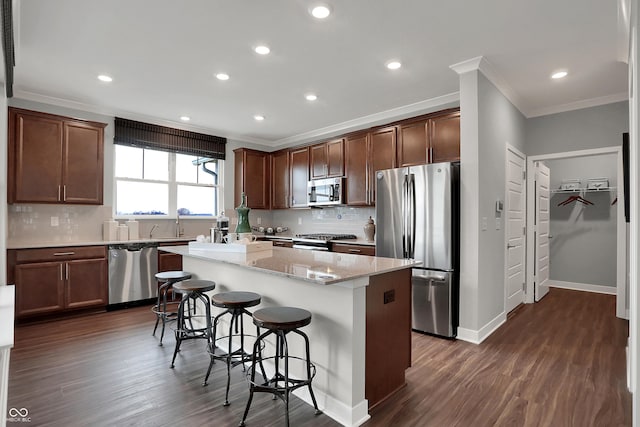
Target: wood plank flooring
{"points": [[560, 362]]}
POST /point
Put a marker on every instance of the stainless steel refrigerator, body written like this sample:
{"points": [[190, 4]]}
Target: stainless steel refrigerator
{"points": [[417, 214]]}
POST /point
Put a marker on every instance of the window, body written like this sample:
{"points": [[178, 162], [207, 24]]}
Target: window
{"points": [[151, 182]]}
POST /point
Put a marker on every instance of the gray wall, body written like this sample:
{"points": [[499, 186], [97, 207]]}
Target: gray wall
{"points": [[588, 128], [3, 187], [489, 122], [583, 247], [499, 124]]}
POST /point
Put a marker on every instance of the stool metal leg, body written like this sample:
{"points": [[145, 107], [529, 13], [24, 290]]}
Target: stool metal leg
{"points": [[180, 325], [306, 343]]}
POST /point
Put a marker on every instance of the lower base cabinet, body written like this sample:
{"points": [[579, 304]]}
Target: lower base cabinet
{"points": [[53, 280], [168, 261], [349, 248]]}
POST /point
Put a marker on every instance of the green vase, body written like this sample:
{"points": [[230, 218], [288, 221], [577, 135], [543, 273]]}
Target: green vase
{"points": [[243, 216]]}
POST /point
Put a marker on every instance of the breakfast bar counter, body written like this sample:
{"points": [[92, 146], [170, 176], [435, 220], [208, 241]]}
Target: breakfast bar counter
{"points": [[360, 331]]}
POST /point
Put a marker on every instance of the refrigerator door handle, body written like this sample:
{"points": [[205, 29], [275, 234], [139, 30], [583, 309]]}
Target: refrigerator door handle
{"points": [[405, 201], [412, 234]]}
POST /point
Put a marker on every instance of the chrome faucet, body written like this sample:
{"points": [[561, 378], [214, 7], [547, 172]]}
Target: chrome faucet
{"points": [[152, 230], [178, 230]]}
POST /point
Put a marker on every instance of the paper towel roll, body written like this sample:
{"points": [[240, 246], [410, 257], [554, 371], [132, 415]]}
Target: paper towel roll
{"points": [[110, 230], [123, 232], [133, 229]]}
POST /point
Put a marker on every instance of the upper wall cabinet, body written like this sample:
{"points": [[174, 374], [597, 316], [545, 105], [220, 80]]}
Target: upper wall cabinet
{"points": [[356, 169], [430, 140], [444, 138], [299, 175], [252, 176], [54, 159], [280, 179], [327, 159]]}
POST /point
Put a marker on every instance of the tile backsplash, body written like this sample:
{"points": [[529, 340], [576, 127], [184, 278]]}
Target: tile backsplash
{"points": [[77, 223]]}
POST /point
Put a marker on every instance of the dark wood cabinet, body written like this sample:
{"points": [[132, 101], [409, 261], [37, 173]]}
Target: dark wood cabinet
{"points": [[299, 176], [444, 138], [413, 144], [382, 155], [52, 280], [252, 176], [280, 179], [352, 248], [54, 159], [326, 160], [282, 243], [168, 261], [356, 169]]}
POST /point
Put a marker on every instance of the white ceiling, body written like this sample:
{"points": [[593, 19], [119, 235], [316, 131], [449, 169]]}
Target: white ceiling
{"points": [[163, 56]]}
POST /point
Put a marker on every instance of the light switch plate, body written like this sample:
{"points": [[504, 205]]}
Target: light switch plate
{"points": [[498, 224], [484, 223], [54, 221]]}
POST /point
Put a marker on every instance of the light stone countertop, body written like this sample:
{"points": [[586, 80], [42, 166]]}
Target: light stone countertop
{"points": [[7, 303], [58, 244], [324, 268]]}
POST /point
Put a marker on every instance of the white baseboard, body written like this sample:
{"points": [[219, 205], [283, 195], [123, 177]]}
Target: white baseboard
{"points": [[601, 289], [476, 337]]}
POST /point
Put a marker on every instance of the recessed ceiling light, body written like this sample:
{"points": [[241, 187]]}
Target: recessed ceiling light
{"points": [[311, 97], [185, 118], [559, 75], [394, 65], [258, 117], [222, 76], [104, 78], [320, 11], [262, 50]]}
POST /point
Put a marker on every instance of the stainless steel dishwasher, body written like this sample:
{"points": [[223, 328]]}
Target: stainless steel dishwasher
{"points": [[132, 270]]}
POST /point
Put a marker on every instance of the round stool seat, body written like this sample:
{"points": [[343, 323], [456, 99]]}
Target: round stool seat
{"points": [[281, 318], [236, 299], [173, 275], [194, 285]]}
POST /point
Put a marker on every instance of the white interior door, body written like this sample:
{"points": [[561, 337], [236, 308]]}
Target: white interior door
{"points": [[515, 230], [542, 231]]}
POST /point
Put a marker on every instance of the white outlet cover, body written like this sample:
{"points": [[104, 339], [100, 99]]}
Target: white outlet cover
{"points": [[484, 223], [54, 221], [498, 224]]}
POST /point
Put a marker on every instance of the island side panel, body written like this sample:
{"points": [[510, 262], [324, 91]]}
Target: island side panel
{"points": [[388, 334], [336, 332]]}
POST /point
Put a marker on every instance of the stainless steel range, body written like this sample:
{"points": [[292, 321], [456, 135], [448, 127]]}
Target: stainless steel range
{"points": [[318, 241]]}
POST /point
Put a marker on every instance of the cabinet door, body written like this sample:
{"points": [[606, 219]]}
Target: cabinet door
{"points": [[445, 138], [356, 149], [86, 283], [318, 161], [335, 158], [35, 160], [382, 155], [413, 144], [280, 180], [253, 178], [169, 262], [82, 169], [299, 167], [39, 288]]}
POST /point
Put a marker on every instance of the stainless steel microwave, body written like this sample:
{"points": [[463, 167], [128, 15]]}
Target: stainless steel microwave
{"points": [[325, 192]]}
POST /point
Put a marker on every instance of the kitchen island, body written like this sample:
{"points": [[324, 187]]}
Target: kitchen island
{"points": [[360, 332]]}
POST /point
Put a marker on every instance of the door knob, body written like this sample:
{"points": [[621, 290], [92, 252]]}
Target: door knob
{"points": [[509, 246]]}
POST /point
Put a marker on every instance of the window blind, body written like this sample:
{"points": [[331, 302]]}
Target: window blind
{"points": [[155, 137]]}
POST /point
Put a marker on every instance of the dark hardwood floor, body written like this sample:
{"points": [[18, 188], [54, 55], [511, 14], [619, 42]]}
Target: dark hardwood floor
{"points": [[560, 362]]}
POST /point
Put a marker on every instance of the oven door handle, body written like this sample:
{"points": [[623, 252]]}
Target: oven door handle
{"points": [[310, 248]]}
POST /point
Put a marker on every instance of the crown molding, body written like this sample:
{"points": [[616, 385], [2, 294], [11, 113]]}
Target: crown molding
{"points": [[399, 113], [468, 65], [91, 108], [578, 105]]}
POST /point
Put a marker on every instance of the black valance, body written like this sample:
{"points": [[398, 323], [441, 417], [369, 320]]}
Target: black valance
{"points": [[155, 137]]}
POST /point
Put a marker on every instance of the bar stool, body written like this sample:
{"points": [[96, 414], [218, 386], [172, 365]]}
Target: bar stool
{"points": [[236, 304], [280, 321], [160, 308], [192, 291]]}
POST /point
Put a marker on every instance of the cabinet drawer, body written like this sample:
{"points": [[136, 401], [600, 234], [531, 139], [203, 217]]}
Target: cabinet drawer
{"points": [[282, 243], [353, 249], [60, 254]]}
